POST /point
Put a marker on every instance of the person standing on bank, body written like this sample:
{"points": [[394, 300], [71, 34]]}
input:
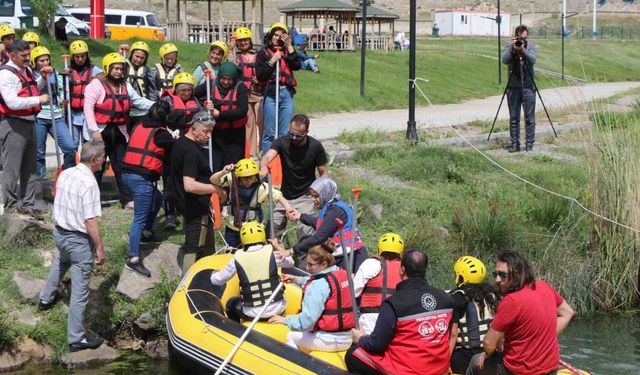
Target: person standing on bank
{"points": [[19, 105], [529, 331], [218, 51], [139, 76], [278, 51], [108, 100], [163, 72], [190, 172], [520, 55], [300, 157], [413, 332], [76, 212]]}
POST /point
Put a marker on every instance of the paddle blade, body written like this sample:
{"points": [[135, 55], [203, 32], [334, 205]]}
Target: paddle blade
{"points": [[275, 167], [55, 180], [216, 211]]}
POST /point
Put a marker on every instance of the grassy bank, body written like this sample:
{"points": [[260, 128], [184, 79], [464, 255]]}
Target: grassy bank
{"points": [[457, 69]]}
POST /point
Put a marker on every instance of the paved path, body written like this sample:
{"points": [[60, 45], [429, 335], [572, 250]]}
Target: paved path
{"points": [[330, 125]]}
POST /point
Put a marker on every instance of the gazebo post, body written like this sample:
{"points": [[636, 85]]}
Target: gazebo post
{"points": [[178, 18], [244, 10], [254, 29], [166, 11], [221, 15], [262, 12]]}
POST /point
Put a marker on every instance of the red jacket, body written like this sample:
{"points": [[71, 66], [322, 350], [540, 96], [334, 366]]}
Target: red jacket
{"points": [[286, 74], [380, 287], [77, 84], [228, 103], [142, 151], [183, 110], [248, 69], [114, 109], [338, 309], [29, 88]]}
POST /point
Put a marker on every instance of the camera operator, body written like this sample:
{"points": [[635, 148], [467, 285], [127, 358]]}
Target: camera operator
{"points": [[520, 55]]}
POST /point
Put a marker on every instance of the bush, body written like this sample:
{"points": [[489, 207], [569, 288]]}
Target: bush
{"points": [[483, 228], [8, 336]]}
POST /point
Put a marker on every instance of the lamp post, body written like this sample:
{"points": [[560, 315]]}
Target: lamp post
{"points": [[363, 45], [412, 132]]}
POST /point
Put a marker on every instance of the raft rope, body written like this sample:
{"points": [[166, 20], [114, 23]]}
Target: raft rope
{"points": [[208, 328], [522, 179]]}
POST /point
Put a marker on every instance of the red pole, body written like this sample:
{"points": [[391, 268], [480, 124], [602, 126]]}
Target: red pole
{"points": [[96, 19]]}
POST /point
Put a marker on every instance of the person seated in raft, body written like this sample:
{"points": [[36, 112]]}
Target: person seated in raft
{"points": [[324, 193], [246, 196], [326, 318], [257, 268]]}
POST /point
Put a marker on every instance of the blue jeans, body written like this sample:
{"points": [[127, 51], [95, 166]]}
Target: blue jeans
{"points": [[285, 114], [309, 64], [232, 237], [147, 201], [78, 120], [43, 126]]}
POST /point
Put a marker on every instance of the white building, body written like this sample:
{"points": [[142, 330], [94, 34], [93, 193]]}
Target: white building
{"points": [[471, 23]]}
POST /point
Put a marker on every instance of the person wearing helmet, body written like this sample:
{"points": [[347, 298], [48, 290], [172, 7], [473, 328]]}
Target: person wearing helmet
{"points": [[324, 193], [41, 64], [19, 104], [108, 100], [475, 303], [7, 35], [142, 165], [377, 278], [231, 104], [218, 51], [81, 71], [245, 59], [278, 51], [32, 38], [163, 72], [246, 196], [139, 76], [256, 265]]}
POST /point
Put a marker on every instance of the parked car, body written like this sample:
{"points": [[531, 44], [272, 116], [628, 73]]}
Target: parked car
{"points": [[18, 14], [127, 24]]}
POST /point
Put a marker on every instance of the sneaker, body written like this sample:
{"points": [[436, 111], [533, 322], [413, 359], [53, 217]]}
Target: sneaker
{"points": [[513, 148], [42, 306], [529, 147], [35, 214], [138, 267], [148, 239], [86, 344], [170, 222]]}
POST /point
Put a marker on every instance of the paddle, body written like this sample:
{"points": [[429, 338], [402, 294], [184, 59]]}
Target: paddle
{"points": [[246, 332], [207, 74], [356, 193], [345, 256], [277, 113], [47, 76], [573, 370], [272, 234]]}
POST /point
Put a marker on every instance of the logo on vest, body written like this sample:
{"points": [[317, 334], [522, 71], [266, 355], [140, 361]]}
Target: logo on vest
{"points": [[425, 329], [442, 326], [428, 302]]}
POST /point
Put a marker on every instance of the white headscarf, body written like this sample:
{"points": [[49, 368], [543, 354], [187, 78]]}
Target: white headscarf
{"points": [[326, 189]]}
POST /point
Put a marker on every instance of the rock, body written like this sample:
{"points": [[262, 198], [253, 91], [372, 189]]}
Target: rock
{"points": [[376, 211], [21, 229], [25, 317], [12, 360], [158, 349], [134, 286], [89, 358], [29, 287], [40, 354], [137, 345], [144, 322], [47, 256], [443, 231]]}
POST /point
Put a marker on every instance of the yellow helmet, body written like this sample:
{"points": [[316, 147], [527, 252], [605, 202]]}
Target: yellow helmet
{"points": [[166, 49], [6, 30], [469, 270], [278, 25], [247, 168], [142, 46], [110, 59], [32, 37], [222, 45], [242, 33], [78, 47], [183, 77], [252, 233], [391, 243], [37, 52]]}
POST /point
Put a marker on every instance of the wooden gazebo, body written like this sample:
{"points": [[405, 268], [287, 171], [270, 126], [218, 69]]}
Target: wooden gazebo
{"points": [[380, 17]]}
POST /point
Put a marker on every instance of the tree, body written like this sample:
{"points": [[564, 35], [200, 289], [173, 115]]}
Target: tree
{"points": [[45, 10]]}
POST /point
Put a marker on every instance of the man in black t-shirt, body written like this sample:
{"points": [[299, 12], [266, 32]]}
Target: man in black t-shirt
{"points": [[190, 172], [300, 156]]}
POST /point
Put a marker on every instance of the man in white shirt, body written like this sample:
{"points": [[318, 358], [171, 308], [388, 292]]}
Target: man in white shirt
{"points": [[76, 210], [19, 105]]}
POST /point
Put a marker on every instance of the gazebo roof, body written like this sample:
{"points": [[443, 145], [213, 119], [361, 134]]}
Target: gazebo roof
{"points": [[318, 6], [377, 13]]}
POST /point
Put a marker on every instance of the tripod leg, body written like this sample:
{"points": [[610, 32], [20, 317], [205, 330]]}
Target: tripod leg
{"points": [[504, 93], [535, 87]]}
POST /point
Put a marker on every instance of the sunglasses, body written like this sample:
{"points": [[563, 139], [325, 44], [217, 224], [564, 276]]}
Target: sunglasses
{"points": [[296, 135], [503, 275], [204, 119]]}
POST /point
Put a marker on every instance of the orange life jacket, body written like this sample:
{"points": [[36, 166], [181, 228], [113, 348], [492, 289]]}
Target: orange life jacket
{"points": [[77, 84], [380, 287], [229, 102], [286, 74], [29, 88], [114, 109], [338, 310], [188, 109], [247, 68], [142, 151]]}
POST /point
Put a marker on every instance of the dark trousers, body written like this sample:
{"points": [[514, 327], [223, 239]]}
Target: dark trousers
{"points": [[518, 98], [18, 147], [461, 358], [168, 188], [228, 147], [115, 145], [198, 241], [492, 366], [355, 365]]}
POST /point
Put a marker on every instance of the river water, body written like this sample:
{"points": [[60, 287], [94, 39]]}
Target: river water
{"points": [[602, 344]]}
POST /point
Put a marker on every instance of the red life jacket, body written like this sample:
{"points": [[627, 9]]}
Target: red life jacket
{"points": [[188, 109], [380, 287], [29, 88], [77, 84], [286, 74], [347, 230], [338, 310], [247, 68], [142, 150], [114, 109], [229, 102]]}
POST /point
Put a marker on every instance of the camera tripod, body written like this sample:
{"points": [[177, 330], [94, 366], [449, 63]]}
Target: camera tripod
{"points": [[524, 67]]}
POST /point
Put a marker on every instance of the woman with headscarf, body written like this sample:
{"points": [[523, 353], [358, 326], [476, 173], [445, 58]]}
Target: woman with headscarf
{"points": [[324, 193], [230, 106]]}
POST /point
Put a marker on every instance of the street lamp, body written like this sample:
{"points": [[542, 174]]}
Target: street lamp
{"points": [[412, 132]]}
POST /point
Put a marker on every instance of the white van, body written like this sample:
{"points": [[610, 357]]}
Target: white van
{"points": [[18, 14], [126, 24]]}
